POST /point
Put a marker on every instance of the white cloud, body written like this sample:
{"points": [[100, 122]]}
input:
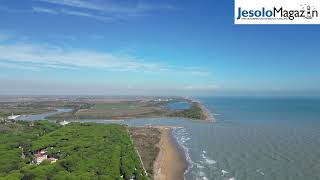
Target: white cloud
{"points": [[103, 6], [72, 13], [101, 10], [17, 66], [56, 57], [76, 3], [30, 56], [44, 10], [86, 14]]}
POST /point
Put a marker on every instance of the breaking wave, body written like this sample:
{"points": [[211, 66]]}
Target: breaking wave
{"points": [[182, 137]]}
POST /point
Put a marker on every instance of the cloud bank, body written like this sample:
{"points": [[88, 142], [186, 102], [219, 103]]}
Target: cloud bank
{"points": [[106, 11], [18, 54], [55, 57]]}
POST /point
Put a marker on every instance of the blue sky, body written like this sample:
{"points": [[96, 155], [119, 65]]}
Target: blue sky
{"points": [[151, 47]]}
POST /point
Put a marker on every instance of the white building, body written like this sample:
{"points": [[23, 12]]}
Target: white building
{"points": [[13, 117], [64, 122], [41, 155]]}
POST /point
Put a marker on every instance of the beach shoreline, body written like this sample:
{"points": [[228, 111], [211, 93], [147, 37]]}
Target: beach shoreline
{"points": [[208, 116], [171, 162]]}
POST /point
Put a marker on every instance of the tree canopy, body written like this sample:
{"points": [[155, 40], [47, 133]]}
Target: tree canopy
{"points": [[83, 150]]}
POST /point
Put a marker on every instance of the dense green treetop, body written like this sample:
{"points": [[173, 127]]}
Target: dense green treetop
{"points": [[84, 150]]}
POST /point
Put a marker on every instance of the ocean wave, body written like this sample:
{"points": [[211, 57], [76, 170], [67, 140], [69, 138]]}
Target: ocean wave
{"points": [[224, 172], [260, 172], [203, 175], [210, 161], [206, 159], [202, 178], [182, 136], [199, 166]]}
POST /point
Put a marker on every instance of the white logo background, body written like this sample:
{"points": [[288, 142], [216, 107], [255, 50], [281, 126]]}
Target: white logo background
{"points": [[270, 5]]}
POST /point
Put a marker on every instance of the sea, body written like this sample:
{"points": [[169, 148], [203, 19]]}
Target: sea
{"points": [[251, 138], [256, 138]]}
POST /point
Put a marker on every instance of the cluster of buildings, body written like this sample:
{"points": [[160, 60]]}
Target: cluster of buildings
{"points": [[41, 156], [163, 99]]}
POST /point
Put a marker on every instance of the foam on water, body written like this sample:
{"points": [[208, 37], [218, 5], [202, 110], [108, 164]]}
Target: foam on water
{"points": [[182, 137], [210, 161], [224, 172], [260, 172], [206, 159]]}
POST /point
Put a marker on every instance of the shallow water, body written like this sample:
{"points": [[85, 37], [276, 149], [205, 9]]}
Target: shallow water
{"points": [[178, 105], [42, 116]]}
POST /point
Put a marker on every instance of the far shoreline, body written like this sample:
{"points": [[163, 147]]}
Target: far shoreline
{"points": [[197, 111]]}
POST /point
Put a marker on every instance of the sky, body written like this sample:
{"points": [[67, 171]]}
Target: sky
{"points": [[149, 47]]}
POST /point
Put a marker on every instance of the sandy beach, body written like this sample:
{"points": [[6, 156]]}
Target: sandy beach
{"points": [[170, 163]]}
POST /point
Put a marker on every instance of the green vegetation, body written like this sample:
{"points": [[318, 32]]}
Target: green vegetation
{"points": [[114, 110], [7, 109], [118, 110], [84, 150], [4, 114], [105, 106], [194, 112], [16, 142]]}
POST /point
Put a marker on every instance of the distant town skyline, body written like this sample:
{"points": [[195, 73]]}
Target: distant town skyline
{"points": [[146, 47]]}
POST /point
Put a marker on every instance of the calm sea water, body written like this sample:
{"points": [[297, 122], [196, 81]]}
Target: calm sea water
{"points": [[256, 138], [251, 139]]}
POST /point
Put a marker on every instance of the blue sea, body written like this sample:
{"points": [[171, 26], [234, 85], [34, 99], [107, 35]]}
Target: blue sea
{"points": [[255, 139], [252, 138]]}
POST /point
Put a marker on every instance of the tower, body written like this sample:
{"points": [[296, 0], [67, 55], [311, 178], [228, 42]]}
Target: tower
{"points": [[308, 12]]}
